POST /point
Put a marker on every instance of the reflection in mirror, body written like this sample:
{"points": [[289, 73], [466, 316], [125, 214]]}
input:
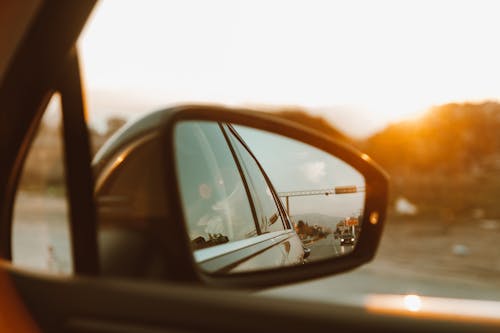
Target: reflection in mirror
{"points": [[255, 200]]}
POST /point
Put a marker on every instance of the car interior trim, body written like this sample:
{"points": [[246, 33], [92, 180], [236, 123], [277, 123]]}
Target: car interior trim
{"points": [[117, 159]]}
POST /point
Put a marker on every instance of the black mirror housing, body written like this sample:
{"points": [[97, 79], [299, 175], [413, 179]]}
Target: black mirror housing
{"points": [[183, 261]]}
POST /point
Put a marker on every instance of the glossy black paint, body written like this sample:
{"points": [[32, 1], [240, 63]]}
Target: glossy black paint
{"points": [[179, 261], [376, 196]]}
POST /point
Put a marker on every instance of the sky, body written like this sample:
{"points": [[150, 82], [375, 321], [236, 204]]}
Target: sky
{"points": [[295, 166], [360, 64]]}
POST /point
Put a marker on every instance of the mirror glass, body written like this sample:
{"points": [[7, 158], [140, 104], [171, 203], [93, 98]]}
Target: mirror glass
{"points": [[255, 200]]}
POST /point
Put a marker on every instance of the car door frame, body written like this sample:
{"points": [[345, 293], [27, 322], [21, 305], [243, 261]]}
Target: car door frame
{"points": [[229, 256], [112, 305], [285, 218], [25, 90]]}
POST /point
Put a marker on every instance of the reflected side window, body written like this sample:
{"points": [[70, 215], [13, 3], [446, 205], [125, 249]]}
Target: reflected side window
{"points": [[131, 202], [268, 213], [214, 197]]}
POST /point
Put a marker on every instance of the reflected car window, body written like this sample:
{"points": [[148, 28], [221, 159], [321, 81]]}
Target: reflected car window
{"points": [[216, 205], [267, 211]]}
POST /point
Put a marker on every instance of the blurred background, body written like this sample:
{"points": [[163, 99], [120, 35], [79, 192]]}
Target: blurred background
{"points": [[415, 85]]}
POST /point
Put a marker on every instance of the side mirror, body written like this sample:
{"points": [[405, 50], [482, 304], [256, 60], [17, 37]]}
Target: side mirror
{"points": [[256, 201]]}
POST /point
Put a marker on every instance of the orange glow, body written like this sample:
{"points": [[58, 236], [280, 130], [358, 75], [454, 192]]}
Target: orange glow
{"points": [[435, 308], [14, 317], [374, 218]]}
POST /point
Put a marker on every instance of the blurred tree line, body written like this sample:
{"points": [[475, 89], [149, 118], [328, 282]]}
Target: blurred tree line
{"points": [[453, 139], [304, 230], [446, 161], [44, 166]]}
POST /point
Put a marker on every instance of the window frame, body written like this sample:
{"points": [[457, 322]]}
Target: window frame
{"points": [[45, 61], [284, 217], [249, 199], [239, 166]]}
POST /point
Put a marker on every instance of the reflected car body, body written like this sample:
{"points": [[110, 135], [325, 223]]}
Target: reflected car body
{"points": [[267, 250], [127, 194]]}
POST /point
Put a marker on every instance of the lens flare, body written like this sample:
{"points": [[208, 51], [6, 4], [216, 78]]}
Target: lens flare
{"points": [[413, 303]]}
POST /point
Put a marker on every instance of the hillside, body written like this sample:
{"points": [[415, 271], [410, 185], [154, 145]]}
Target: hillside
{"points": [[325, 221], [447, 162], [316, 123], [450, 139]]}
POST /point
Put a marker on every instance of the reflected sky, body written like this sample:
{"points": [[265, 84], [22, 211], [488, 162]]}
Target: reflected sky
{"points": [[294, 166]]}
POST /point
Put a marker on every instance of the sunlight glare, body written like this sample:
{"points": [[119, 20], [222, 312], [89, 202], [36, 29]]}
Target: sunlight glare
{"points": [[380, 64], [413, 303]]}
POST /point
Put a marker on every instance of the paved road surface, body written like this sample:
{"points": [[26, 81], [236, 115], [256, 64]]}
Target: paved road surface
{"points": [[414, 258], [353, 288], [327, 247]]}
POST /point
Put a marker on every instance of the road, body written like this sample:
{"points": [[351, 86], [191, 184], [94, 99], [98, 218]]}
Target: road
{"points": [[353, 288], [415, 257], [327, 247]]}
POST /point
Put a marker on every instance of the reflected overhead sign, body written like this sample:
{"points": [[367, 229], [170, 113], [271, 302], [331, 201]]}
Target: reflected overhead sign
{"points": [[335, 190]]}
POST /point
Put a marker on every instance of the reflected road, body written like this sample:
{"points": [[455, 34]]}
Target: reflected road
{"points": [[327, 247]]}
